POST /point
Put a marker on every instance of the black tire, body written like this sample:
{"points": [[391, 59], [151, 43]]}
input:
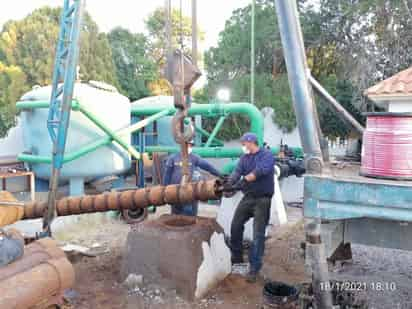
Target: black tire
{"points": [[135, 216]]}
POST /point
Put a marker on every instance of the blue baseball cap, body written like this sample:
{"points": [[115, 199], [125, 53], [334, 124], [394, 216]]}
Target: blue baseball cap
{"points": [[249, 137]]}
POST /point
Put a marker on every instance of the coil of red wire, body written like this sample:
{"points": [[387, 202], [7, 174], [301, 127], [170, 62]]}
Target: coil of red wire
{"points": [[387, 146]]}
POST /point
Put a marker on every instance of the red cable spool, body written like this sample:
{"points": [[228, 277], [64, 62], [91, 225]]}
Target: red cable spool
{"points": [[387, 146]]}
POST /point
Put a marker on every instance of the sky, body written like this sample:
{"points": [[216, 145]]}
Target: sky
{"points": [[131, 14]]}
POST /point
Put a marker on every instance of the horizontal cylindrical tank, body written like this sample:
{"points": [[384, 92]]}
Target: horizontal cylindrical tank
{"points": [[102, 100]]}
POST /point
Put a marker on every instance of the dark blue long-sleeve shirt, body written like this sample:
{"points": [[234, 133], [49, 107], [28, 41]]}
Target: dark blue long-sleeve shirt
{"points": [[262, 165], [173, 169]]}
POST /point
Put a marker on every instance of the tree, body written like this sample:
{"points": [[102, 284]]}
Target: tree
{"points": [[27, 50], [135, 68], [12, 85], [30, 44], [156, 26], [323, 28]]}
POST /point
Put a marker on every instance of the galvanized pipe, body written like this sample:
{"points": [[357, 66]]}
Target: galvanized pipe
{"points": [[299, 84], [133, 199], [304, 105], [35, 286], [339, 109]]}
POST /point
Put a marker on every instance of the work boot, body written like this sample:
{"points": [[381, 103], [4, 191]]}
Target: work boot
{"points": [[237, 260], [252, 276]]}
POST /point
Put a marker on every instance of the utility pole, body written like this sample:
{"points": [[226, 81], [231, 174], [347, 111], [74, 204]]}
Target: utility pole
{"points": [[194, 32], [169, 52], [252, 54]]}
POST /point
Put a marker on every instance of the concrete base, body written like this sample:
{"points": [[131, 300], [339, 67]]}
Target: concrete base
{"points": [[187, 253]]}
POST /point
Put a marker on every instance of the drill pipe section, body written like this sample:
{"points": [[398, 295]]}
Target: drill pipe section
{"points": [[133, 199], [35, 254], [36, 286]]}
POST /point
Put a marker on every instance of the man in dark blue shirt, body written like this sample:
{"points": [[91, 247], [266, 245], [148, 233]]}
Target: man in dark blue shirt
{"points": [[255, 170], [173, 175]]}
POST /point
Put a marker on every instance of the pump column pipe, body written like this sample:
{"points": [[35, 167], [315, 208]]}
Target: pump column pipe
{"points": [[291, 36]]}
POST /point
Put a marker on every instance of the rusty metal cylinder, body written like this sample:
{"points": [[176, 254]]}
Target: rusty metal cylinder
{"points": [[34, 254], [36, 285], [133, 199]]}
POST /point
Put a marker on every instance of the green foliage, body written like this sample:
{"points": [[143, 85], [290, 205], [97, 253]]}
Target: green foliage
{"points": [[27, 49], [12, 85], [343, 91], [30, 44], [156, 26], [135, 68]]}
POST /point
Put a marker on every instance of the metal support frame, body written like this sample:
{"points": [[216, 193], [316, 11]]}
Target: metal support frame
{"points": [[339, 109], [67, 54], [215, 131], [304, 105]]}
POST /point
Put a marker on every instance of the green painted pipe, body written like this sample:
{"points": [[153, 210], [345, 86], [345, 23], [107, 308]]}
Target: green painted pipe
{"points": [[214, 152], [215, 130], [94, 145], [229, 167], [41, 104], [209, 110], [92, 117], [216, 141]]}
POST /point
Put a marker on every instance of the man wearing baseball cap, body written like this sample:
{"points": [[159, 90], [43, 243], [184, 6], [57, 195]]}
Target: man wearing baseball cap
{"points": [[173, 175], [255, 172]]}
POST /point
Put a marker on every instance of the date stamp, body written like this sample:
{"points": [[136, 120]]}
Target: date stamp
{"points": [[353, 286]]}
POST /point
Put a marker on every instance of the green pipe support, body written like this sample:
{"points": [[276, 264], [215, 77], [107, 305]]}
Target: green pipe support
{"points": [[94, 145], [215, 152], [92, 117], [228, 168], [216, 141], [206, 110], [211, 110], [215, 130]]}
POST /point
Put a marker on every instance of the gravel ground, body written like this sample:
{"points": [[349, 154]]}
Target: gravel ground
{"points": [[385, 273]]}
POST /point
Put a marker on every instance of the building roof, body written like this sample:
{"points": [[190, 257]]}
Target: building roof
{"points": [[397, 86]]}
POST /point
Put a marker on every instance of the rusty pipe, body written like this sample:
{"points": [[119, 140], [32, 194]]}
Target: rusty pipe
{"points": [[36, 285], [133, 199], [36, 253]]}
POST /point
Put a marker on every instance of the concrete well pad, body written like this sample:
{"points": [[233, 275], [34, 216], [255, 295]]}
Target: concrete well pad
{"points": [[187, 253]]}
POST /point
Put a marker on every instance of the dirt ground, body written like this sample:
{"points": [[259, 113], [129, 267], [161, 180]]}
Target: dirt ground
{"points": [[97, 278]]}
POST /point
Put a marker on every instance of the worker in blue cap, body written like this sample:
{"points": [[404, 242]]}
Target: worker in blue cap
{"points": [[255, 174], [173, 175]]}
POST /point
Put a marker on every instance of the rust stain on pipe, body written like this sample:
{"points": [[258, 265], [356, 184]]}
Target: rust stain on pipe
{"points": [[141, 198], [36, 285]]}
